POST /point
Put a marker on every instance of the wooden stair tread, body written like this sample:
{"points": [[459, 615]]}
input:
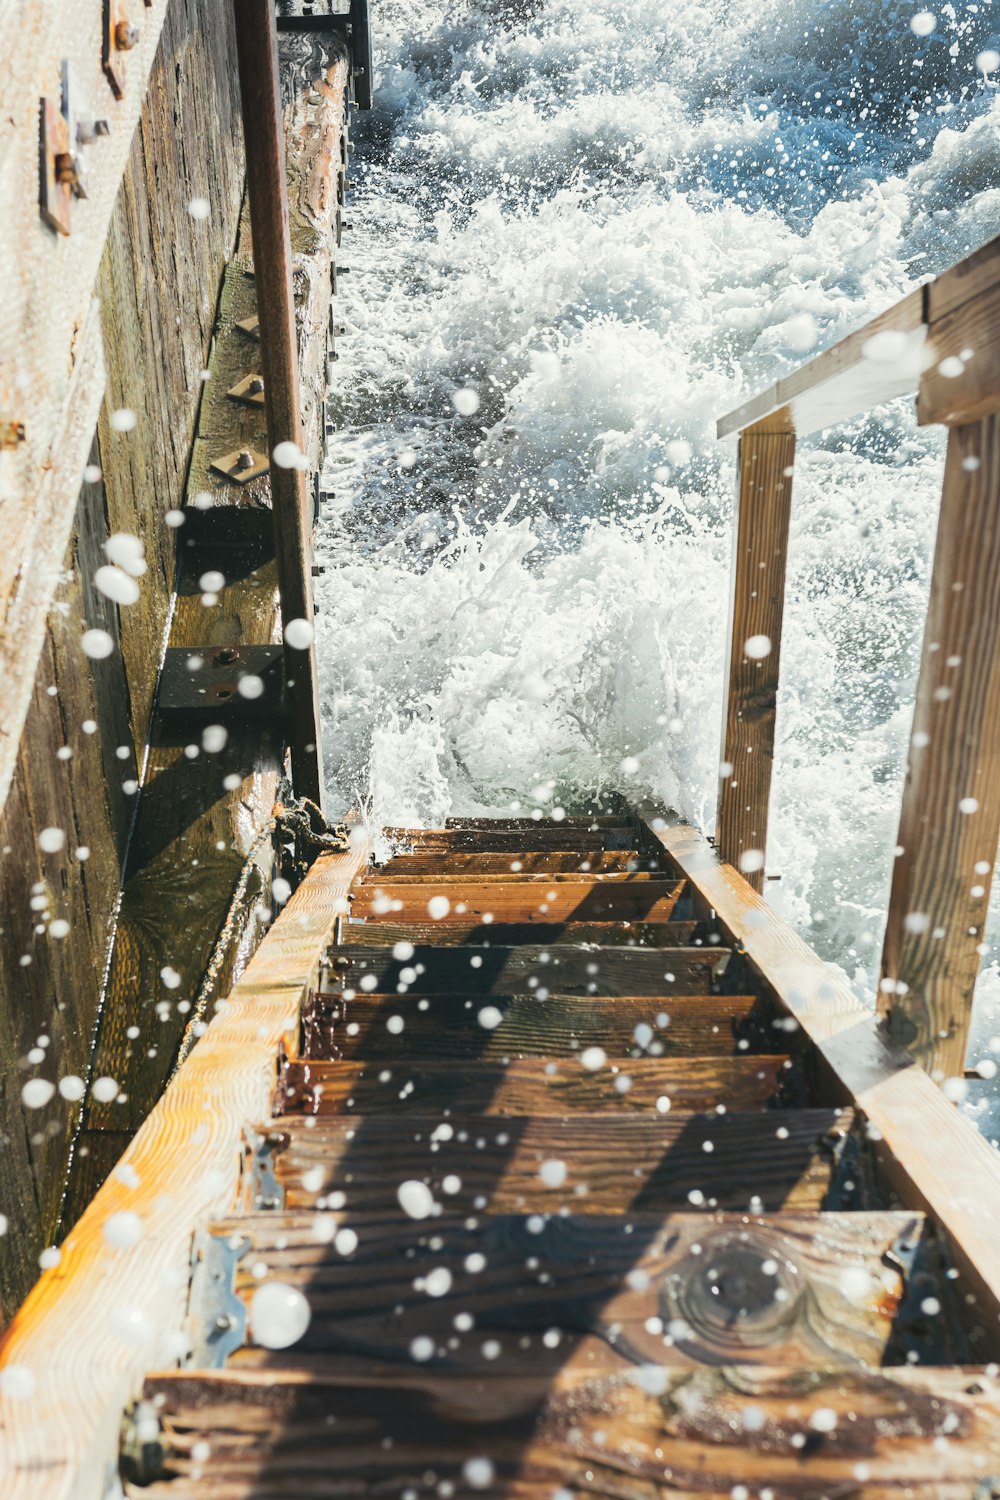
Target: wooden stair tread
{"points": [[534, 1085], [922, 1433], [473, 874], [688, 1290], [565, 967], [496, 840], [526, 899], [379, 932], [452, 865], [449, 1026], [782, 1159]]}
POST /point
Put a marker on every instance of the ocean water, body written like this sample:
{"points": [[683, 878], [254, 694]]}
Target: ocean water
{"points": [[581, 232]]}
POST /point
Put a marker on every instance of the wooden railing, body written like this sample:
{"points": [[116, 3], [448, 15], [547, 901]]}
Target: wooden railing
{"points": [[942, 342]]}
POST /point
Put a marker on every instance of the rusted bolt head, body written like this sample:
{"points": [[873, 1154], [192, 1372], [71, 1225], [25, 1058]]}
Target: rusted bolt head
{"points": [[226, 655], [244, 459], [126, 36], [66, 171], [256, 386]]}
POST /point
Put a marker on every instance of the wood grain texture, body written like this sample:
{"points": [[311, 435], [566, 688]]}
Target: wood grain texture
{"points": [[917, 1434], [378, 932], [756, 607], [758, 1162], [193, 835], [449, 1026], [536, 1086], [956, 388], [496, 840], [57, 1444], [934, 1160], [967, 280], [585, 970], [734, 1288], [950, 817], [844, 379], [461, 865], [637, 898]]}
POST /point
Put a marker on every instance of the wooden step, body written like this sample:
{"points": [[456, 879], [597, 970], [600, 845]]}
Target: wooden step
{"points": [[380, 933], [688, 1290], [534, 1086], [446, 864], [781, 1159], [498, 840], [447, 872], [735, 1433], [492, 1027], [637, 898], [528, 824], [570, 969]]}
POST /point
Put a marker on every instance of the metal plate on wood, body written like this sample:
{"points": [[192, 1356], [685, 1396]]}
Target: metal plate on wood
{"points": [[249, 391], [243, 680], [56, 188], [120, 36], [241, 466]]}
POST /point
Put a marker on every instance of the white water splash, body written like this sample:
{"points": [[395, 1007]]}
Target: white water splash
{"points": [[611, 223]]}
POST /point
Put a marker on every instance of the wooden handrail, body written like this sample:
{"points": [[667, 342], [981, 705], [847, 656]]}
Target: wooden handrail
{"points": [[932, 1157], [93, 1325], [943, 341]]}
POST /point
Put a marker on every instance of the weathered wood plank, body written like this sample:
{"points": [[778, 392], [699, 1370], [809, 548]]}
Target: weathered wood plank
{"points": [[448, 864], [380, 933], [497, 840], [449, 1026], [908, 1432], [529, 900], [59, 1443], [478, 969], [851, 376], [690, 1290], [756, 606], [950, 817], [782, 1159], [535, 1086], [959, 386], [933, 1159], [969, 279]]}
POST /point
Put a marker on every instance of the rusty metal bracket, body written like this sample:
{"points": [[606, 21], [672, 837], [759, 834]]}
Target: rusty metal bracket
{"points": [[214, 680], [249, 391], [55, 168], [120, 36], [218, 1319], [241, 466]]}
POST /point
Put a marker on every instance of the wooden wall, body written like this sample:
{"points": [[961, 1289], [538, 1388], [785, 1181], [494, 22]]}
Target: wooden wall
{"points": [[158, 288]]}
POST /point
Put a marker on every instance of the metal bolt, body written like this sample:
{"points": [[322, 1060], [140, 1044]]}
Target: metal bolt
{"points": [[244, 459], [66, 169], [126, 36], [224, 1322], [256, 386]]}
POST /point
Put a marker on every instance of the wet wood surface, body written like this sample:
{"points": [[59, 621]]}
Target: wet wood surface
{"points": [[776, 1160], [547, 862], [627, 1085], [949, 823], [757, 601], [194, 834], [690, 1290], [58, 1444], [454, 1026], [911, 1432], [380, 933], [527, 899], [558, 966]]}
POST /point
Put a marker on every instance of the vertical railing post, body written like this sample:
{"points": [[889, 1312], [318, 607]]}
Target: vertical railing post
{"points": [[950, 818], [757, 598], [257, 51]]}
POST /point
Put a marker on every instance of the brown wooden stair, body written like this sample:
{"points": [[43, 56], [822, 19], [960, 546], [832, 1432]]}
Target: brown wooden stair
{"points": [[573, 1209]]}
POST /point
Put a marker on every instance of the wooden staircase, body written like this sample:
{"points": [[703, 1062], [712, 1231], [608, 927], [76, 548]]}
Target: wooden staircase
{"points": [[559, 1197]]}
